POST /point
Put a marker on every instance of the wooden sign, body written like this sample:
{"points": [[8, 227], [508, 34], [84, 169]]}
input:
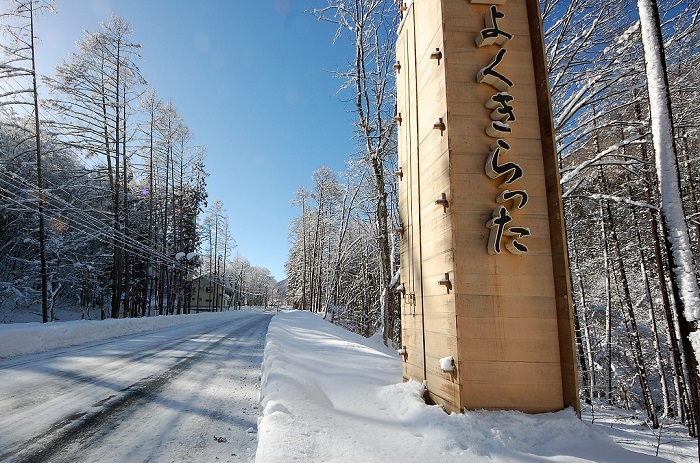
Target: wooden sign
{"points": [[483, 255]]}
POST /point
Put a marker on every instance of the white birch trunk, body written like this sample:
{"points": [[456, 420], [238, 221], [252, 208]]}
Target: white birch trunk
{"points": [[681, 257], [667, 165]]}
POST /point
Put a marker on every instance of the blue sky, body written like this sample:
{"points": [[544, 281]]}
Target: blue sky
{"points": [[252, 80]]}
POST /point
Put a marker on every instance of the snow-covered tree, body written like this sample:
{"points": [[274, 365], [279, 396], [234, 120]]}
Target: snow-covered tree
{"points": [[684, 273], [612, 204], [368, 80], [19, 79]]}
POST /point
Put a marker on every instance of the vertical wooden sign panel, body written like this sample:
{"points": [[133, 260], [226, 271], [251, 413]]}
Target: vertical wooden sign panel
{"points": [[412, 300], [483, 255]]}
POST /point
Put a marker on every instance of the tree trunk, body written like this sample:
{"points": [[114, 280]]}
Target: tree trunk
{"points": [[39, 176], [125, 184], [686, 292], [652, 317], [691, 183], [635, 341], [608, 309], [679, 381], [585, 361]]}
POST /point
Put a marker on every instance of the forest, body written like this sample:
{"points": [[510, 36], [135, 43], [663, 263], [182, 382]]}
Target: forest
{"points": [[629, 339], [103, 199]]}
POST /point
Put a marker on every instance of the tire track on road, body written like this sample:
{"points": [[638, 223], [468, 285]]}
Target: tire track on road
{"points": [[83, 427]]}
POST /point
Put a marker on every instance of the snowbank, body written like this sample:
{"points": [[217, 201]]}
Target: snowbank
{"points": [[332, 396], [28, 338]]}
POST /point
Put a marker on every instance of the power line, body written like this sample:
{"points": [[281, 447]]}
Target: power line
{"points": [[106, 238], [83, 222]]}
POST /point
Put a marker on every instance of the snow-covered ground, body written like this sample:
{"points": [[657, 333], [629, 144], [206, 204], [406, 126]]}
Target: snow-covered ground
{"points": [[332, 396], [327, 395], [28, 338], [172, 393]]}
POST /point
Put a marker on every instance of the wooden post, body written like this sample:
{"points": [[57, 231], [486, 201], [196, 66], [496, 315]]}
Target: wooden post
{"points": [[480, 205]]}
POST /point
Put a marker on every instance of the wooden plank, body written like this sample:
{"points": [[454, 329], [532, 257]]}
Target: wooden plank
{"points": [[475, 217], [468, 185], [436, 295], [466, 90], [508, 339], [406, 94], [439, 345], [430, 24], [434, 268], [437, 304], [510, 396], [441, 321], [471, 251], [472, 18], [475, 142], [468, 208], [429, 69], [473, 256], [434, 175], [501, 350], [562, 283], [430, 113], [473, 149], [475, 119], [412, 370], [500, 373], [444, 392], [476, 306], [438, 256], [497, 285], [414, 345], [444, 386], [437, 260], [433, 370]]}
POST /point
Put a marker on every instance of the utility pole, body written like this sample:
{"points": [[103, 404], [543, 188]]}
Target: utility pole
{"points": [[39, 176]]}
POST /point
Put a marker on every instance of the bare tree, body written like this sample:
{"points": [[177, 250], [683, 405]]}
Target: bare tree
{"points": [[371, 25], [92, 90], [18, 62]]}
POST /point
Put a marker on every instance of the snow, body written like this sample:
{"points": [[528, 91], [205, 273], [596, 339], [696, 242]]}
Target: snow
{"points": [[325, 395], [184, 393], [447, 363], [332, 396], [28, 338]]}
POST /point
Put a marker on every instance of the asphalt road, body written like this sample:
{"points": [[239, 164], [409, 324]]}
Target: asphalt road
{"points": [[184, 394]]}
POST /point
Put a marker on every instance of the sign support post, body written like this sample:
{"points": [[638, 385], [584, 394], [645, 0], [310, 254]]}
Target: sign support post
{"points": [[486, 298]]}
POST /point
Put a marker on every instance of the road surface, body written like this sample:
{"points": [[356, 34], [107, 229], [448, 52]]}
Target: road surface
{"points": [[183, 394]]}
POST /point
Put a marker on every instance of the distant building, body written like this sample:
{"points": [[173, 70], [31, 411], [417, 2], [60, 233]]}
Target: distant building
{"points": [[207, 294]]}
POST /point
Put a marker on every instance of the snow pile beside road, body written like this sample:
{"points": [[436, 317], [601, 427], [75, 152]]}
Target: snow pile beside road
{"points": [[332, 396], [29, 338], [503, 435]]}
